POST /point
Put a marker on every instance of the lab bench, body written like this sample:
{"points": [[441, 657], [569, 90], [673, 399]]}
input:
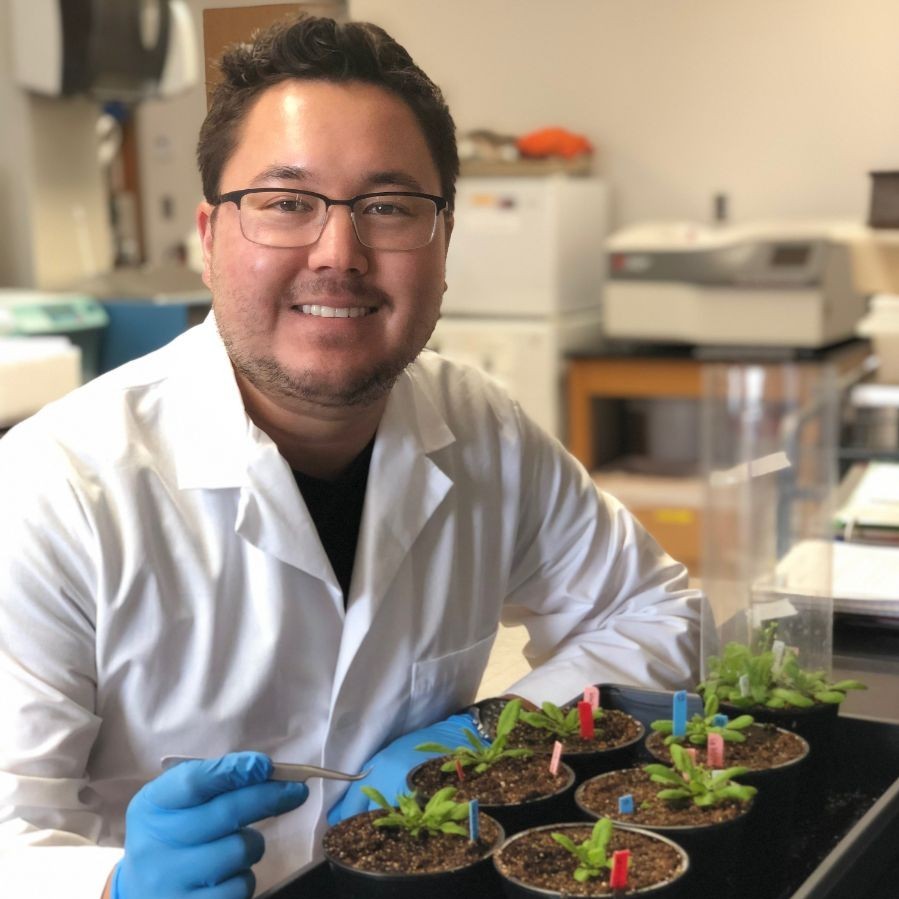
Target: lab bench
{"points": [[147, 307], [842, 844]]}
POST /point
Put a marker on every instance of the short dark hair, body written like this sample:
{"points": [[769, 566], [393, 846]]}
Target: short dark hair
{"points": [[315, 48]]}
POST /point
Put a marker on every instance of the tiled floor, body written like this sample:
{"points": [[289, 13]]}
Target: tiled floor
{"points": [[506, 664]]}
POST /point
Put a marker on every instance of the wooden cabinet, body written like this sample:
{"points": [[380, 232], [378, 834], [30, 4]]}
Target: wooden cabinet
{"points": [[673, 516]]}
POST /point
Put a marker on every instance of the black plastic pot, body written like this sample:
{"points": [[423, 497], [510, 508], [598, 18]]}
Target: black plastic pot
{"points": [[816, 725], [514, 817], [716, 850], [589, 764], [476, 879], [514, 888], [585, 764], [774, 812]]}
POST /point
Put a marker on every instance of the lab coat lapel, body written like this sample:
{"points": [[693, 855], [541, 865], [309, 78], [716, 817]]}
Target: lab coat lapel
{"points": [[405, 487], [273, 517], [228, 451]]}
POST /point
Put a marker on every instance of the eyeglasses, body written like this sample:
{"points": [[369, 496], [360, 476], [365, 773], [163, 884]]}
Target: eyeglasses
{"points": [[282, 217]]}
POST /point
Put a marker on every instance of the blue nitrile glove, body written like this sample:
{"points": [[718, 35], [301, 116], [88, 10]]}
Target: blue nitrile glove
{"points": [[389, 766], [186, 830]]}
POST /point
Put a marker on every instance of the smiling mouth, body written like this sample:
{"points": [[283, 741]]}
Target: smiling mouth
{"points": [[320, 311]]}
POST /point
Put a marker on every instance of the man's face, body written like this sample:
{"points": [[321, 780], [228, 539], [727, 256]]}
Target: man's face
{"points": [[339, 140]]}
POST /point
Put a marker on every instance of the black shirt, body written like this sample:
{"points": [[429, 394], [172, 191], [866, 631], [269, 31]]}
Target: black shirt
{"points": [[336, 510]]}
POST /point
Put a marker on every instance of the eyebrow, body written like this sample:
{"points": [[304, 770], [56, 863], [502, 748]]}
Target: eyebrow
{"points": [[281, 173], [374, 180], [394, 178]]}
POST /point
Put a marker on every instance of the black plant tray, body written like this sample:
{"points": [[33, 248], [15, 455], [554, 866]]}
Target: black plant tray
{"points": [[844, 847]]}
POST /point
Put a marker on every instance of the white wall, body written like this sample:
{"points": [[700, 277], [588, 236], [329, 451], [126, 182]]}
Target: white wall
{"points": [[784, 104]]}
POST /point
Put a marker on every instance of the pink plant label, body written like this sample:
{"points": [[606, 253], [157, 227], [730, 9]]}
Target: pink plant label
{"points": [[692, 753], [620, 862], [591, 695], [585, 713], [715, 751], [555, 758]]}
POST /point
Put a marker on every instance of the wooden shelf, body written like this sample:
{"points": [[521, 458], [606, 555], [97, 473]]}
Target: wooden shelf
{"points": [[580, 165]]}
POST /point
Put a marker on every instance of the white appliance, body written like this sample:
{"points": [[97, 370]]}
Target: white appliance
{"points": [[33, 372], [779, 284], [124, 50], [79, 318], [525, 283]]}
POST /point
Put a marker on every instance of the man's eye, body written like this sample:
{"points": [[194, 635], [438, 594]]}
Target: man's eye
{"points": [[385, 209], [289, 205]]}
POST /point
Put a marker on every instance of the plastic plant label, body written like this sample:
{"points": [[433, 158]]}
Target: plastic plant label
{"points": [[620, 862], [585, 714], [679, 713], [555, 758]]}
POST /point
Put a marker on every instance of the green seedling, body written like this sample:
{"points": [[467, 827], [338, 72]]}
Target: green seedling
{"points": [[753, 676], [593, 854], [563, 725], [689, 782], [440, 815], [478, 754], [700, 726]]}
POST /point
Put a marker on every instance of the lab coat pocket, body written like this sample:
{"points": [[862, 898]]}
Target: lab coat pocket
{"points": [[446, 684]]}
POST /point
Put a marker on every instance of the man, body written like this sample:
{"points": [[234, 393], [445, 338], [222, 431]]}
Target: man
{"points": [[290, 533]]}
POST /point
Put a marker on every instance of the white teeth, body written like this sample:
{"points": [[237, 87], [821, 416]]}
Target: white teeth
{"points": [[335, 311]]}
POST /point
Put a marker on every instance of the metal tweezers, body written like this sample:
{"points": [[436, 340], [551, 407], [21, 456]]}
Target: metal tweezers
{"points": [[280, 770]]}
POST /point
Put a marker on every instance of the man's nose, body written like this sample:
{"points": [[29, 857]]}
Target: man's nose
{"points": [[337, 246]]}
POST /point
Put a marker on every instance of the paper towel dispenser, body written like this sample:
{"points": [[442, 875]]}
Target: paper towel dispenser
{"points": [[123, 50]]}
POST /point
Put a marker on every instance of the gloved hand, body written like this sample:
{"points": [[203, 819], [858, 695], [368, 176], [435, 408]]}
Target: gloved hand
{"points": [[391, 764], [186, 830]]}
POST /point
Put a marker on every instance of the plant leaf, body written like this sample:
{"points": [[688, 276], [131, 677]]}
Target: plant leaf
{"points": [[508, 718], [672, 795], [434, 747], [844, 685], [741, 722], [832, 697], [564, 840], [377, 797]]}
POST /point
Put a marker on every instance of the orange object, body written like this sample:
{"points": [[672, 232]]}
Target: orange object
{"points": [[553, 142]]}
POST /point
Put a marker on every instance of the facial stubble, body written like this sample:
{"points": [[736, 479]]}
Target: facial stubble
{"points": [[311, 385]]}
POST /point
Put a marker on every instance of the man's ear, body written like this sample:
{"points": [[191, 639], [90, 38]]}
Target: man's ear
{"points": [[205, 216]]}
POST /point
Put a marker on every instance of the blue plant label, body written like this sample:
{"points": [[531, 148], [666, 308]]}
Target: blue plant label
{"points": [[679, 714], [626, 804], [719, 720], [473, 821]]}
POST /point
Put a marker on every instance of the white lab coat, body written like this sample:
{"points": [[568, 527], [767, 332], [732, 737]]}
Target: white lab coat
{"points": [[163, 590]]}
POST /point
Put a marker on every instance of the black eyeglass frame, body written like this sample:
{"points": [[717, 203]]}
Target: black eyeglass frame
{"points": [[235, 196]]}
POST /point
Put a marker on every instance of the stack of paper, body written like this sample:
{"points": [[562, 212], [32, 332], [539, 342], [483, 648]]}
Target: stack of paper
{"points": [[864, 577], [872, 511]]}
